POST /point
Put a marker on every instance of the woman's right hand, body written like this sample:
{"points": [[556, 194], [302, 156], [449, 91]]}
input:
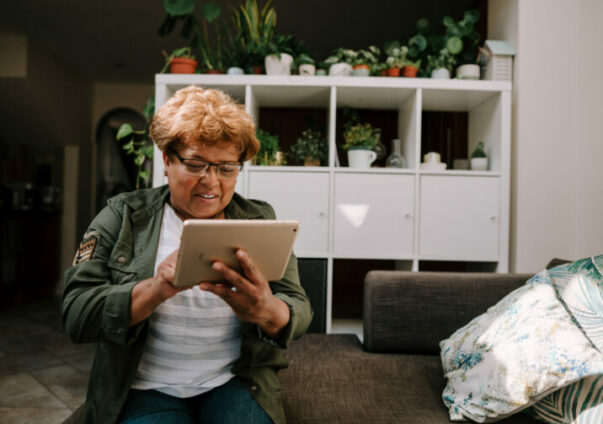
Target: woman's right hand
{"points": [[150, 293]]}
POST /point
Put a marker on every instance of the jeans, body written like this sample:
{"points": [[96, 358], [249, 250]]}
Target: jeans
{"points": [[228, 404]]}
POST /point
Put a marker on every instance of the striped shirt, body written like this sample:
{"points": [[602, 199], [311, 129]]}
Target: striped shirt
{"points": [[194, 337]]}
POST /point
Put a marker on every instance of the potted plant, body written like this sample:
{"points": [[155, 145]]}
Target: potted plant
{"points": [[340, 62], [479, 160], [255, 30], [181, 61], [305, 64], [411, 68], [363, 61], [311, 148], [441, 64], [396, 58], [360, 139], [269, 147]]}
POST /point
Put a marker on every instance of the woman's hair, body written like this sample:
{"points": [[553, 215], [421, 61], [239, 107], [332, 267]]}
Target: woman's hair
{"points": [[207, 116]]}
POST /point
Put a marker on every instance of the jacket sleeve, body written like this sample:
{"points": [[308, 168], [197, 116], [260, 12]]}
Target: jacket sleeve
{"points": [[96, 299], [290, 291]]}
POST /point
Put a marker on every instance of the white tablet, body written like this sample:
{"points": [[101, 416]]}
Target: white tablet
{"points": [[268, 242]]}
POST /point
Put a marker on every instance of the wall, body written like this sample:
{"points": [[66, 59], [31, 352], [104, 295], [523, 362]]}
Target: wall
{"points": [[49, 106], [557, 195]]}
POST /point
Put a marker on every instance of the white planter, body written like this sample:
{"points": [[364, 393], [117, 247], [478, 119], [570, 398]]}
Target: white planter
{"points": [[440, 73], [235, 70], [361, 72], [340, 70], [479, 164], [361, 158], [274, 66], [321, 72], [307, 69], [468, 72]]}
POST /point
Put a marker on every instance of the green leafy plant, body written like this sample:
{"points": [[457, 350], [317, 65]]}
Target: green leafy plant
{"points": [[140, 149], [444, 59], [367, 57], [479, 152], [196, 30], [396, 54], [461, 37], [269, 145], [360, 136], [340, 55], [255, 30], [310, 144], [184, 52]]}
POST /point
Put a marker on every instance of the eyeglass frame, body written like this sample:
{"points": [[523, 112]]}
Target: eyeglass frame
{"points": [[239, 166]]}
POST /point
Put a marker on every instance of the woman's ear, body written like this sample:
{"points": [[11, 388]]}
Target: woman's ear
{"points": [[166, 160]]}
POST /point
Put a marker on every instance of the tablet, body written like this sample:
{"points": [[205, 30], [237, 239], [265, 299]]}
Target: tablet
{"points": [[268, 242]]}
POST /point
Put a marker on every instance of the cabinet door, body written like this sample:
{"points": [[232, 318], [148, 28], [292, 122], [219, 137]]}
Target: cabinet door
{"points": [[302, 196], [459, 217], [373, 215]]}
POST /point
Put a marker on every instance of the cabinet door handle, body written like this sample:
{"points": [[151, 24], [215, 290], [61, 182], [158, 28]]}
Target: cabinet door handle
{"points": [[407, 215], [492, 217], [322, 214]]}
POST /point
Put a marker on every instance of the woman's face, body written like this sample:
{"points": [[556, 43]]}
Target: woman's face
{"points": [[202, 195]]}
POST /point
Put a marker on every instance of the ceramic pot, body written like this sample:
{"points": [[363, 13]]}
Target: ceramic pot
{"points": [[361, 158], [393, 72], [214, 71], [257, 69], [409, 71], [235, 70], [479, 164], [340, 70], [469, 71], [276, 66], [440, 73], [182, 65], [307, 69], [321, 72], [310, 161], [361, 71]]}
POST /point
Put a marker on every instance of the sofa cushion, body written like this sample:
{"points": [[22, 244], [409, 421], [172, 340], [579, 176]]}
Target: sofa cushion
{"points": [[412, 311], [331, 379], [522, 349]]}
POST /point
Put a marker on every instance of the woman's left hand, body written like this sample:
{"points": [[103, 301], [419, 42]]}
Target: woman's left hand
{"points": [[252, 300]]}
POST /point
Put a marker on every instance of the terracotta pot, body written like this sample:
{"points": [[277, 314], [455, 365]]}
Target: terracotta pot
{"points": [[393, 72], [410, 71], [257, 69], [383, 72], [214, 71], [182, 65], [310, 161]]}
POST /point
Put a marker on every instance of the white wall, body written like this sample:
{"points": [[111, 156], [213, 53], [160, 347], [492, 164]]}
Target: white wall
{"points": [[556, 180]]}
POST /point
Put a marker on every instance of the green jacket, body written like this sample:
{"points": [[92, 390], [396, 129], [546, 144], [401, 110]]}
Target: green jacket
{"points": [[119, 250]]}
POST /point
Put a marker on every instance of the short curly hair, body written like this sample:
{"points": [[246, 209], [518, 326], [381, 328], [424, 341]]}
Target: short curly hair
{"points": [[206, 115]]}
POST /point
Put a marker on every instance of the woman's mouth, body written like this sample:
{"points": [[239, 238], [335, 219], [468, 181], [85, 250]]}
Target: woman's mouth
{"points": [[207, 196]]}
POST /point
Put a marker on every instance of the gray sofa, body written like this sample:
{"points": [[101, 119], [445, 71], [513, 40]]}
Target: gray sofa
{"points": [[396, 375]]}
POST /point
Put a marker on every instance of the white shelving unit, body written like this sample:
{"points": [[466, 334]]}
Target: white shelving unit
{"points": [[407, 215]]}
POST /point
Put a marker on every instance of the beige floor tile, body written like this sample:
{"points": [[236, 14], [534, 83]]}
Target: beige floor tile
{"points": [[66, 383], [33, 415], [28, 361], [22, 391]]}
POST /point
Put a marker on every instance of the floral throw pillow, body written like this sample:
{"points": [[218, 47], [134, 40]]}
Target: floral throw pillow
{"points": [[579, 285], [522, 349], [578, 403]]}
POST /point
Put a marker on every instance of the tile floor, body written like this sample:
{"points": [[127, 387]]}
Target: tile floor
{"points": [[43, 376]]}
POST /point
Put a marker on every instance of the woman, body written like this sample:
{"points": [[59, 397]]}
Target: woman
{"points": [[165, 354]]}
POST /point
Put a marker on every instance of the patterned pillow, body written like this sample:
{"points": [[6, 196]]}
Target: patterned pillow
{"points": [[579, 285], [578, 403], [520, 350]]}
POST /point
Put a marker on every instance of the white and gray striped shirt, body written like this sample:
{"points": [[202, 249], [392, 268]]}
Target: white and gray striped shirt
{"points": [[194, 337]]}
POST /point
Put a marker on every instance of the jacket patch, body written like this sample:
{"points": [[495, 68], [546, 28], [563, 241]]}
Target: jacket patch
{"points": [[85, 251]]}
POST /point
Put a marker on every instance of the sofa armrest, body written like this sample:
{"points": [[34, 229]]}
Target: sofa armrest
{"points": [[412, 311]]}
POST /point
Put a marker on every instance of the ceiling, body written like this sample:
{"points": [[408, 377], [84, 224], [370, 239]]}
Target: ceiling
{"points": [[117, 40]]}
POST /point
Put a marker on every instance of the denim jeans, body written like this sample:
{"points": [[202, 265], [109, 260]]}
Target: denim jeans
{"points": [[228, 404]]}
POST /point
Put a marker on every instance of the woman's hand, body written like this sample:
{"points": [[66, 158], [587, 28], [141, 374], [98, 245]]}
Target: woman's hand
{"points": [[251, 300], [150, 293]]}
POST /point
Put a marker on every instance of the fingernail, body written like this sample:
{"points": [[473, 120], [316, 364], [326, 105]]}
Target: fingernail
{"points": [[216, 266]]}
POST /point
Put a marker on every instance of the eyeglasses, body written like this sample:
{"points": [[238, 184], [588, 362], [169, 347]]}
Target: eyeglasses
{"points": [[201, 167]]}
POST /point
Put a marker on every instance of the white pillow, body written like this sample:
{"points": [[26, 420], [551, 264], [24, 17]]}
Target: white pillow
{"points": [[519, 351]]}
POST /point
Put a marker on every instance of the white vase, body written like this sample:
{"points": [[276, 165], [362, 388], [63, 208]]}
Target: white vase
{"points": [[440, 73], [479, 164], [307, 69], [235, 70], [340, 70], [361, 158], [468, 71], [274, 66]]}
